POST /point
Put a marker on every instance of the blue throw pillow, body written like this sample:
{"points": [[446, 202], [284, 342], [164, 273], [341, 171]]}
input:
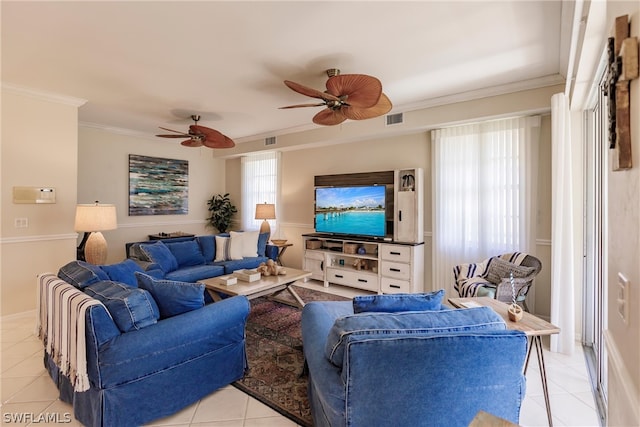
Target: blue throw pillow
{"points": [[263, 238], [393, 303], [186, 253], [130, 308], [408, 323], [123, 272], [81, 274], [207, 246], [173, 297], [158, 253]]}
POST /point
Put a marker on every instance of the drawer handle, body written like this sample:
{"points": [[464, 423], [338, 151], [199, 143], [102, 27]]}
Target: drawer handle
{"points": [[394, 253], [363, 280], [394, 286], [339, 276], [397, 270]]}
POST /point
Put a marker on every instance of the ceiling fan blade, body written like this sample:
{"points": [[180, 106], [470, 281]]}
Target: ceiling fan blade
{"points": [[303, 105], [382, 107], [191, 143], [313, 93], [222, 141], [176, 131], [172, 136], [329, 117], [362, 91]]}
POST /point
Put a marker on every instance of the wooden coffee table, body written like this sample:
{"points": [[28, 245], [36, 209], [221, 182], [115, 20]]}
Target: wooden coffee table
{"points": [[534, 327], [266, 285]]}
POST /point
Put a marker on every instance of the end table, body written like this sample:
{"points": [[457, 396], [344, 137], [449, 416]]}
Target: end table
{"points": [[282, 247]]}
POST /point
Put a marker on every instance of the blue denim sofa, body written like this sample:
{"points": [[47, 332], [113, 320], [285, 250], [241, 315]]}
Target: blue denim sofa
{"points": [[154, 369], [189, 259], [410, 368]]}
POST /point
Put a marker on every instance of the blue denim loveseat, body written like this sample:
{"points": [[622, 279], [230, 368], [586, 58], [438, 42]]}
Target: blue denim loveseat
{"points": [[189, 259], [410, 368], [143, 355]]}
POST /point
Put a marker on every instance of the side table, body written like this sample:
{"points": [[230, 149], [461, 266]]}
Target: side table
{"points": [[282, 247], [534, 327]]}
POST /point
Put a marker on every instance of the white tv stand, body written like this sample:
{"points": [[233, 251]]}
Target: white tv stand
{"points": [[372, 265]]}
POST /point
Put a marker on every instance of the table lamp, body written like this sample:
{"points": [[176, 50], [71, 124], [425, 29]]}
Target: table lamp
{"points": [[265, 211], [92, 219]]}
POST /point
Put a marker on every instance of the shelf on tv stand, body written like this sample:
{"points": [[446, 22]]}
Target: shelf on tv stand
{"points": [[385, 267]]}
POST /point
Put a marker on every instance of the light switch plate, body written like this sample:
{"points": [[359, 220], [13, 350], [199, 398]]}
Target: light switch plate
{"points": [[623, 298]]}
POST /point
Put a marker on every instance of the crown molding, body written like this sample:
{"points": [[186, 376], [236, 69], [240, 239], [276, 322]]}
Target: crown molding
{"points": [[537, 83], [43, 95]]}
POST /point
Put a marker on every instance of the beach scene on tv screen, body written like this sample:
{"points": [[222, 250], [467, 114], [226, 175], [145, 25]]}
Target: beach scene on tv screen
{"points": [[351, 210]]}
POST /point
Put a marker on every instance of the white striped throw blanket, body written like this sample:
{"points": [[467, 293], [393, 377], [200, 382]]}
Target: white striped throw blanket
{"points": [[470, 277], [60, 324]]}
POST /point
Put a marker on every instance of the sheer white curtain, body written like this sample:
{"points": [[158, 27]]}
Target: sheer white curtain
{"points": [[485, 193], [562, 236], [260, 184]]}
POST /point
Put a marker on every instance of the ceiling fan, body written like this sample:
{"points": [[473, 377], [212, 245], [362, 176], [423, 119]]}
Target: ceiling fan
{"points": [[348, 96], [200, 135]]}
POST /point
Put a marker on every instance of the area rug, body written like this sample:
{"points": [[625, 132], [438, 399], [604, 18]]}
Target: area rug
{"points": [[274, 353]]}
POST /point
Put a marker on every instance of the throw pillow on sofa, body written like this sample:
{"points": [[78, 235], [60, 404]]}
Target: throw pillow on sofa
{"points": [[159, 254], [222, 248], [173, 297], [123, 272], [81, 274], [131, 308], [243, 244], [393, 303], [389, 325], [187, 253]]}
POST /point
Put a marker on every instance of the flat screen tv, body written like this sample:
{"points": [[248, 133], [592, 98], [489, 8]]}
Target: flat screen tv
{"points": [[351, 210]]}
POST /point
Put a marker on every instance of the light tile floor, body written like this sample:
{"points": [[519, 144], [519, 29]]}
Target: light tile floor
{"points": [[26, 390]]}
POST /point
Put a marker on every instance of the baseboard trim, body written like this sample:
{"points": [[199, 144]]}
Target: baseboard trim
{"points": [[623, 377], [19, 316]]}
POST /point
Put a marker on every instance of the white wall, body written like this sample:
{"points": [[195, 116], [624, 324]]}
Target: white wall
{"points": [[623, 339], [103, 174], [39, 148]]}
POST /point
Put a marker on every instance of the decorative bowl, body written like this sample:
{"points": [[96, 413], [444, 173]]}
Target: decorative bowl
{"points": [[279, 241]]}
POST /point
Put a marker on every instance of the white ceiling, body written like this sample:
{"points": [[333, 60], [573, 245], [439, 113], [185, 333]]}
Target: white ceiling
{"points": [[144, 64]]}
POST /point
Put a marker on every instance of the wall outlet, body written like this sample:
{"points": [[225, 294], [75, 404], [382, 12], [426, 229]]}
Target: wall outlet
{"points": [[21, 223], [623, 298]]}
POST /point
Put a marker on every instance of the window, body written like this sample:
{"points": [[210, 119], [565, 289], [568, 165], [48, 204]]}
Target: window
{"points": [[260, 184], [485, 192]]}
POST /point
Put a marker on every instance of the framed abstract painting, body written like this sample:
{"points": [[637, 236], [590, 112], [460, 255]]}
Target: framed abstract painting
{"points": [[158, 186]]}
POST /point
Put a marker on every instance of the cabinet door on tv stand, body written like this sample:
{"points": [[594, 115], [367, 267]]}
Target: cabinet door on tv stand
{"points": [[406, 225], [314, 262]]}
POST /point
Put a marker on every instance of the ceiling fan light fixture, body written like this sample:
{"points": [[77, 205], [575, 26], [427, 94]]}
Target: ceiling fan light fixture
{"points": [[331, 72]]}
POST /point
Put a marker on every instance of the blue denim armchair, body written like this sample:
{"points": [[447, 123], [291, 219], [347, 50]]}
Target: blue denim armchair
{"points": [[428, 368]]}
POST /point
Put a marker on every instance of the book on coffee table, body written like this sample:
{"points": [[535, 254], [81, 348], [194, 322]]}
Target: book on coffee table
{"points": [[227, 280], [247, 275]]}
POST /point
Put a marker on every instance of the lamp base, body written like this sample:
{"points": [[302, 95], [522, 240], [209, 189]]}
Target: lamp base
{"points": [[265, 228], [95, 250]]}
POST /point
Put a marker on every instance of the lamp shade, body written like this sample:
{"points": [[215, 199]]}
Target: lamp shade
{"points": [[265, 211], [95, 217]]}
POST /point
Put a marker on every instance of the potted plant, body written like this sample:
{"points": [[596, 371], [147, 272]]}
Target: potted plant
{"points": [[222, 211]]}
